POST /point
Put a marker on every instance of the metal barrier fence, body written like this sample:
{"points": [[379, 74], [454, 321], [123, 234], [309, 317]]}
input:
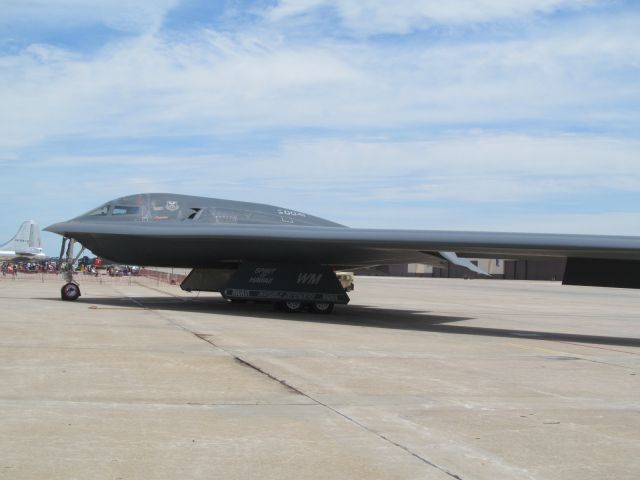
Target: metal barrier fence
{"points": [[164, 277], [146, 275]]}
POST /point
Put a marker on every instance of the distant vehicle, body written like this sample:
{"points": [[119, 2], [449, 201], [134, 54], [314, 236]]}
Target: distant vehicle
{"points": [[122, 270], [250, 251], [25, 244], [346, 280]]}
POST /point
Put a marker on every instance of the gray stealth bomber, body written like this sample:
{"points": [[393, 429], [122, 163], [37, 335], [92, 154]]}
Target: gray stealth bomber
{"points": [[213, 236]]}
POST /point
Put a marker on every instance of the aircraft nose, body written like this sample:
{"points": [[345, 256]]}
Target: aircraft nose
{"points": [[56, 228]]}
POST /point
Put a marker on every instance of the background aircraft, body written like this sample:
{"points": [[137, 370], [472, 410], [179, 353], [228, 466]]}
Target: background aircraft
{"points": [[25, 244], [248, 250]]}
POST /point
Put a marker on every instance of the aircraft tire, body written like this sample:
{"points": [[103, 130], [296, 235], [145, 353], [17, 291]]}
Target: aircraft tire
{"points": [[70, 292], [292, 306], [322, 307]]}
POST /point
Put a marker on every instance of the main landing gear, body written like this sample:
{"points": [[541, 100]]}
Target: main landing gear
{"points": [[321, 307], [70, 291], [290, 288], [295, 306]]}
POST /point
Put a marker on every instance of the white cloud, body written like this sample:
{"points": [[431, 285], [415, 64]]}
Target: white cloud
{"points": [[149, 86], [214, 83], [402, 16], [117, 14], [463, 168]]}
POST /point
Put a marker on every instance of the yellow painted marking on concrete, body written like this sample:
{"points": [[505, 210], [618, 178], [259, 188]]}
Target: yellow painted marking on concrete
{"points": [[602, 348], [117, 308], [529, 347]]}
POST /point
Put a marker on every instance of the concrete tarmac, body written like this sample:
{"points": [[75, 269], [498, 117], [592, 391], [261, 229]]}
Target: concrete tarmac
{"points": [[416, 379]]}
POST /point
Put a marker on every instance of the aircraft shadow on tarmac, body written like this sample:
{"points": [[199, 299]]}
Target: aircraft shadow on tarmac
{"points": [[354, 315]]}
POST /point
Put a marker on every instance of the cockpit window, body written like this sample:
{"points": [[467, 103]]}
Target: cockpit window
{"points": [[101, 211], [121, 210]]}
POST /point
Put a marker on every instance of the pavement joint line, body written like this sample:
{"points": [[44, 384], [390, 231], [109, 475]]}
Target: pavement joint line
{"points": [[626, 367], [294, 389], [60, 402], [602, 348], [101, 348], [330, 408], [136, 282], [559, 352], [156, 312]]}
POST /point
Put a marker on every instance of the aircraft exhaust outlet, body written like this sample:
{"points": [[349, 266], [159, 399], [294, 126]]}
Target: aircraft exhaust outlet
{"points": [[601, 272]]}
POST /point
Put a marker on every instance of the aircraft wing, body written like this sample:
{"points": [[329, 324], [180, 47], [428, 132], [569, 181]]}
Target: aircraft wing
{"points": [[498, 244], [188, 244]]}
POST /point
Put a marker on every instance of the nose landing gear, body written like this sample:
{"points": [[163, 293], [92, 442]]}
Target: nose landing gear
{"points": [[70, 291]]}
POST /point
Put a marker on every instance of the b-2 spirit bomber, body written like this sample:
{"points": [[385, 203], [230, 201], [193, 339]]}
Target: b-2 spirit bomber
{"points": [[250, 251]]}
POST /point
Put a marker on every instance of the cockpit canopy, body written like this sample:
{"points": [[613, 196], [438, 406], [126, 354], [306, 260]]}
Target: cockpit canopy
{"points": [[160, 207], [114, 210]]}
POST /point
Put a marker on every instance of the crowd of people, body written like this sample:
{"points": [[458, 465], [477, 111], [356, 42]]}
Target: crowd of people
{"points": [[14, 268]]}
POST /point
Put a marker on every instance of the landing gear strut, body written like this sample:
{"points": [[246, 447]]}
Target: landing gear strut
{"points": [[70, 291]]}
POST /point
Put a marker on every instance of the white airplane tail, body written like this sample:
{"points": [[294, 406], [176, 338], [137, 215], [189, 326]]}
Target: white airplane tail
{"points": [[27, 241]]}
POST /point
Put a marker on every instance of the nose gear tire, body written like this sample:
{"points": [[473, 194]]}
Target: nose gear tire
{"points": [[70, 291]]}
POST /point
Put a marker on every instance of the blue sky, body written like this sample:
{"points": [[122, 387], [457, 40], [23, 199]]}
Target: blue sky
{"points": [[483, 115]]}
